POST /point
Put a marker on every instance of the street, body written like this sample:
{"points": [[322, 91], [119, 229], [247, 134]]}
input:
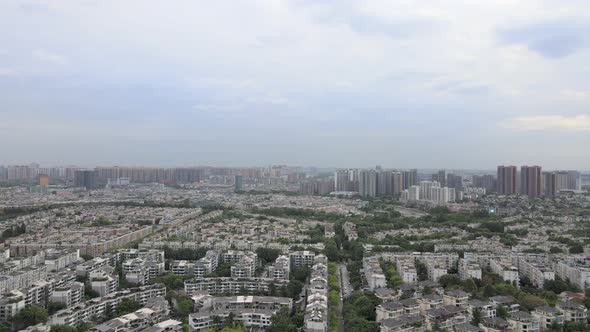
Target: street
{"points": [[345, 290]]}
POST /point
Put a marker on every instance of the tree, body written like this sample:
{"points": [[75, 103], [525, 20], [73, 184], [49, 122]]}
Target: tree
{"points": [[575, 326], [587, 298], [281, 322], [469, 285], [4, 327], [476, 317], [31, 315], [267, 255], [421, 271], [53, 307], [90, 293], [223, 270], [530, 302], [126, 306], [331, 250], [576, 249], [62, 328], [300, 273], [494, 227], [449, 280], [298, 319], [489, 291], [294, 288], [184, 306], [171, 281], [501, 312], [555, 250]]}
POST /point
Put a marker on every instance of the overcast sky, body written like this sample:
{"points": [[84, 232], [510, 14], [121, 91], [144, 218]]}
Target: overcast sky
{"points": [[455, 84]]}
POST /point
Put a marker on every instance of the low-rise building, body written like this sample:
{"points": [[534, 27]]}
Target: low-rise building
{"points": [[522, 321], [255, 312]]}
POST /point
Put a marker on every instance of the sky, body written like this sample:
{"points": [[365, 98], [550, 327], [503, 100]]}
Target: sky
{"points": [[331, 83]]}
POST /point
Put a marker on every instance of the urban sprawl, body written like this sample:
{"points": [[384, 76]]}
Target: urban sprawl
{"points": [[281, 248]]}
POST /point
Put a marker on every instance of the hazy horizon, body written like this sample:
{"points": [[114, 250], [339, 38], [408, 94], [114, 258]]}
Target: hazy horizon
{"points": [[430, 84]]}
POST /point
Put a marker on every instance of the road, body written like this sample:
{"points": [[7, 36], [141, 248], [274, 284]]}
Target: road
{"points": [[345, 285], [345, 290]]}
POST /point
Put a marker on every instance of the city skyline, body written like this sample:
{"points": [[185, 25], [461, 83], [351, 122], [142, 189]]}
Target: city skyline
{"points": [[488, 170], [453, 84]]}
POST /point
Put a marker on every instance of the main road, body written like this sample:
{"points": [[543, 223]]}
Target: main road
{"points": [[345, 290]]}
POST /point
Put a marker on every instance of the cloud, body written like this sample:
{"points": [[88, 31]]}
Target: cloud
{"points": [[299, 67], [553, 39], [577, 94], [550, 122], [50, 57], [8, 72]]}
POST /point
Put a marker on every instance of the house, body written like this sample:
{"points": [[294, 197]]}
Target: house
{"points": [[456, 297], [406, 323], [466, 327], [446, 317], [431, 301], [507, 301], [495, 324], [389, 310], [486, 309], [545, 315], [573, 312], [386, 294], [522, 321]]}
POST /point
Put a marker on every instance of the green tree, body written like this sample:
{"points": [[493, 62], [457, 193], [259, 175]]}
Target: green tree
{"points": [[267, 255], [422, 271], [62, 328], [331, 250], [476, 317], [469, 285], [576, 249], [184, 306], [281, 322], [587, 298], [489, 291], [31, 315], [126, 306], [300, 273], [529, 302], [53, 307], [501, 312], [171, 281], [449, 280], [294, 288]]}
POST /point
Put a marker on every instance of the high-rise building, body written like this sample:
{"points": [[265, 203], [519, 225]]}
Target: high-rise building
{"points": [[342, 180], [43, 180], [442, 178], [454, 181], [554, 182], [530, 181], [397, 182], [410, 178], [426, 189], [316, 187], [549, 184], [567, 180], [506, 183], [237, 183], [414, 193], [383, 183], [85, 179], [367, 183], [353, 178], [484, 181]]}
